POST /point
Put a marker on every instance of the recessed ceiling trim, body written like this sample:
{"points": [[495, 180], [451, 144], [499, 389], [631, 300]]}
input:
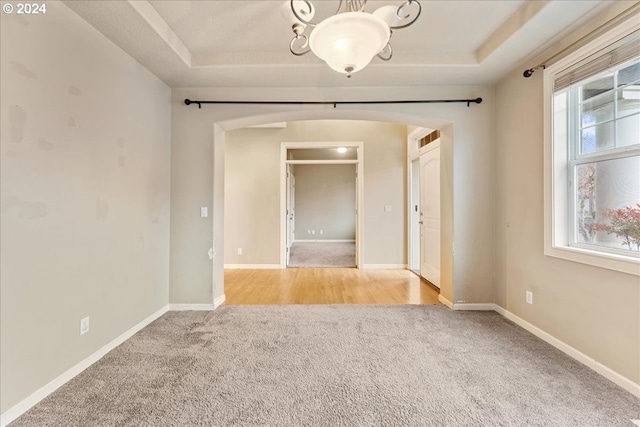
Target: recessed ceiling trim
{"points": [[160, 26], [512, 25], [417, 59]]}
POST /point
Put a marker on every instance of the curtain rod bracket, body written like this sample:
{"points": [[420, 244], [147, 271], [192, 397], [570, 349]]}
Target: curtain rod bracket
{"points": [[189, 102]]}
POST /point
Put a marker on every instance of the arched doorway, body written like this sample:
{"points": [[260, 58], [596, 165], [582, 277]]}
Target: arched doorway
{"points": [[219, 140]]}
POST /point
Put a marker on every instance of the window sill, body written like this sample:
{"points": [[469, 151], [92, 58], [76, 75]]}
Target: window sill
{"points": [[623, 264]]}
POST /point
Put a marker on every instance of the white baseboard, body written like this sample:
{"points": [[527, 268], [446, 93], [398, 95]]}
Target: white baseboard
{"points": [[385, 266], [325, 240], [445, 301], [191, 307], [52, 386], [199, 307], [217, 302], [475, 306], [252, 266], [606, 372]]}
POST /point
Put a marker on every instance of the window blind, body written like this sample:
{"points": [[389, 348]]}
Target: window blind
{"points": [[617, 53]]}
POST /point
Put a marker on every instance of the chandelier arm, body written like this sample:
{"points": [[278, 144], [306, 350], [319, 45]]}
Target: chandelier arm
{"points": [[300, 18], [382, 55], [305, 46], [339, 7], [403, 5]]}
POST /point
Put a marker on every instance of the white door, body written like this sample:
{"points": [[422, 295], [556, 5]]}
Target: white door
{"points": [[291, 194], [415, 230], [430, 213], [357, 221]]}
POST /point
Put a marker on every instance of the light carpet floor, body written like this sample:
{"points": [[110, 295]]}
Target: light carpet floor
{"points": [[335, 366], [323, 254]]}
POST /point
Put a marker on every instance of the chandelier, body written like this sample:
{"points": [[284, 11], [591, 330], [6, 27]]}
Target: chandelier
{"points": [[348, 40]]}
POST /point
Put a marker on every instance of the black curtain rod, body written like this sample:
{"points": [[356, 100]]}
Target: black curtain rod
{"points": [[335, 103]]}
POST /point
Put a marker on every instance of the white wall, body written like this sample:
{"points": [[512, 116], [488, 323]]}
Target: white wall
{"points": [[594, 310], [196, 160], [252, 187], [85, 164]]}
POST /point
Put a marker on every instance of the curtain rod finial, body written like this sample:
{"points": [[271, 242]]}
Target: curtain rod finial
{"points": [[528, 73]]}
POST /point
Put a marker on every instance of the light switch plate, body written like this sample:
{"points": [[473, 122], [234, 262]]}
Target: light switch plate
{"points": [[204, 212]]}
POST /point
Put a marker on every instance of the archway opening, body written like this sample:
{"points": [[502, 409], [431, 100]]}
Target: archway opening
{"points": [[220, 140]]}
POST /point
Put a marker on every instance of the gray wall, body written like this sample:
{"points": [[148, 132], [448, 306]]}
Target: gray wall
{"points": [[325, 201], [85, 196], [252, 188]]}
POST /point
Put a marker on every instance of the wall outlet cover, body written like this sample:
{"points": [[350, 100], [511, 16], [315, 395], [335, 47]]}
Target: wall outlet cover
{"points": [[529, 297], [84, 325]]}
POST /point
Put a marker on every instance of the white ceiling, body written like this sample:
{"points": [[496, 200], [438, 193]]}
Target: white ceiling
{"points": [[246, 43]]}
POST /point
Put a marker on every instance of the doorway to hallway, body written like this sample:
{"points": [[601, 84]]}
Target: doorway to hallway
{"points": [[321, 205]]}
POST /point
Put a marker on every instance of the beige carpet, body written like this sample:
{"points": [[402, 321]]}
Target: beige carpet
{"points": [[335, 365], [323, 254]]}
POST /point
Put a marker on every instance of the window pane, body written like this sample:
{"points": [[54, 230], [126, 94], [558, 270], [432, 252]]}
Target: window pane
{"points": [[628, 101], [629, 74], [597, 110], [628, 131], [596, 87], [608, 204], [597, 138]]}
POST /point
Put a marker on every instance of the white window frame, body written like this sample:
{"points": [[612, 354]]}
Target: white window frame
{"points": [[557, 201]]}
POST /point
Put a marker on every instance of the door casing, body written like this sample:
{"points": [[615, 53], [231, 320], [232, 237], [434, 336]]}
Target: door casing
{"points": [[284, 166]]}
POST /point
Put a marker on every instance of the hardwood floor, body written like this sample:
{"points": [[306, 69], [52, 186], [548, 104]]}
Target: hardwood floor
{"points": [[327, 286]]}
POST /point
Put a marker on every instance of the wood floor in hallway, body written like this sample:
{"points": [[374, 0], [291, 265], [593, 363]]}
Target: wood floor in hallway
{"points": [[327, 286]]}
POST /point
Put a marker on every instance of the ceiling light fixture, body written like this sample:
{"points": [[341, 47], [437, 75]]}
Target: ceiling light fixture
{"points": [[348, 40]]}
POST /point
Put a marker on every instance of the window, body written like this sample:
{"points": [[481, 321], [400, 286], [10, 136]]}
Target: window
{"points": [[593, 154]]}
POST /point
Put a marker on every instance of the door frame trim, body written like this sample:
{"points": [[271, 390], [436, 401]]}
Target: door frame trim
{"points": [[359, 162]]}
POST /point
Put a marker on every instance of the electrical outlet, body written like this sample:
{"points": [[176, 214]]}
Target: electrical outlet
{"points": [[239, 251], [529, 297], [313, 231], [308, 231], [84, 325], [321, 231]]}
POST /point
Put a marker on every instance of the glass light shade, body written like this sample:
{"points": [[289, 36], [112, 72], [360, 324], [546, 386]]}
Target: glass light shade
{"points": [[348, 41]]}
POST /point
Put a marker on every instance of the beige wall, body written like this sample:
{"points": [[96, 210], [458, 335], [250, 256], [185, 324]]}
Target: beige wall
{"points": [[198, 169], [252, 188], [85, 196], [325, 201], [252, 197], [595, 310]]}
